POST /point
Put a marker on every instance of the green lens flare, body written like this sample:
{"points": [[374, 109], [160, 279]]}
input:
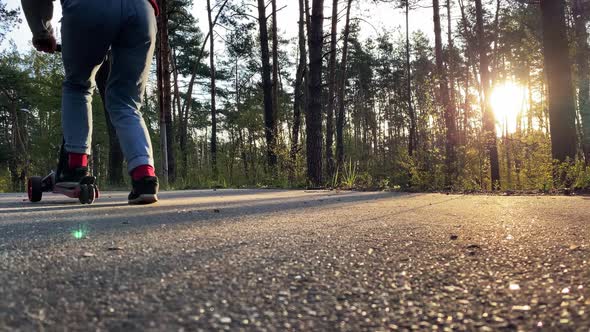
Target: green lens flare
{"points": [[79, 233]]}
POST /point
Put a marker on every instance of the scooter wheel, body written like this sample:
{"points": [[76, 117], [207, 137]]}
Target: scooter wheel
{"points": [[96, 192], [93, 193], [34, 188], [86, 194]]}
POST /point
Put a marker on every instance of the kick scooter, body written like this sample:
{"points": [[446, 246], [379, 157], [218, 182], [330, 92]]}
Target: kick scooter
{"points": [[86, 191]]}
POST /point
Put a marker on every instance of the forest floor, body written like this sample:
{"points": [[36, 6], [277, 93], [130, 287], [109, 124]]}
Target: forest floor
{"points": [[295, 260]]}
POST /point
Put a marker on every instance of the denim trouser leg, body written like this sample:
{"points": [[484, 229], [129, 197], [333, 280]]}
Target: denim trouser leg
{"points": [[132, 53], [83, 50], [89, 29]]}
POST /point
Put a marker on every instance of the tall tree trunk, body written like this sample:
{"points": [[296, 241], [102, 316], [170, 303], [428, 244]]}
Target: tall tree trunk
{"points": [[411, 113], [165, 95], [451, 77], [562, 112], [213, 91], [451, 60], [176, 88], [444, 98], [18, 147], [342, 92], [466, 105], [582, 48], [189, 95], [299, 98], [489, 123], [307, 26], [162, 122], [531, 101], [496, 54], [331, 92], [275, 64], [471, 53], [116, 158], [187, 105], [269, 119], [508, 151], [181, 131], [160, 90], [313, 116], [243, 153]]}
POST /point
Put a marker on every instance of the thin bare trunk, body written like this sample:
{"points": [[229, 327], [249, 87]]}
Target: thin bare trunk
{"points": [[331, 92], [451, 79], [164, 86], [189, 95], [213, 92], [411, 113], [449, 111], [299, 98], [314, 112], [489, 122], [342, 92], [269, 119], [275, 62]]}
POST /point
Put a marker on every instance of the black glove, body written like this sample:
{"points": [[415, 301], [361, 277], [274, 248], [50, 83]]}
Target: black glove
{"points": [[45, 44]]}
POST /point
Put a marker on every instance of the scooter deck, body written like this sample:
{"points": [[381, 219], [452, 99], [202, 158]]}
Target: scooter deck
{"points": [[73, 189]]}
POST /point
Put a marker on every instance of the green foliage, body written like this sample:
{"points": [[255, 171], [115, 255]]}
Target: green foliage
{"points": [[580, 175], [350, 175], [8, 19]]}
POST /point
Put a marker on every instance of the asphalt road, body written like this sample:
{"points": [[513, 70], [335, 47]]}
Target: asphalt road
{"points": [[295, 260]]}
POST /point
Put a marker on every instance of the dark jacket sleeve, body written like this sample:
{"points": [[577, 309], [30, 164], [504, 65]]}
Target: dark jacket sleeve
{"points": [[39, 14]]}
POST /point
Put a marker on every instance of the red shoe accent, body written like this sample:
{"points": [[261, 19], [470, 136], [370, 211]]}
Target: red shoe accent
{"points": [[76, 160], [142, 171]]}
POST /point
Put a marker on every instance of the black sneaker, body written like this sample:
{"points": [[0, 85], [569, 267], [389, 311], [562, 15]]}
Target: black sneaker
{"points": [[145, 191], [68, 178]]}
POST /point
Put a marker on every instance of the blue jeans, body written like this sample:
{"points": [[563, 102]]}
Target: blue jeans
{"points": [[89, 28]]}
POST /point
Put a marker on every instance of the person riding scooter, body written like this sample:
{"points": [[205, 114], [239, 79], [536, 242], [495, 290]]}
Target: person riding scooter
{"points": [[89, 28]]}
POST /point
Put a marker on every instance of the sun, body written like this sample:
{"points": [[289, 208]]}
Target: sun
{"points": [[507, 101]]}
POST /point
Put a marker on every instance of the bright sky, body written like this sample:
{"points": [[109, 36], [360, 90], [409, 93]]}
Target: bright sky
{"points": [[371, 17]]}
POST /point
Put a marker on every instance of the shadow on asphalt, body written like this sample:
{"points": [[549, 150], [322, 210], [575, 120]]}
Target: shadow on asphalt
{"points": [[8, 201], [198, 215], [167, 200], [58, 206], [9, 206]]}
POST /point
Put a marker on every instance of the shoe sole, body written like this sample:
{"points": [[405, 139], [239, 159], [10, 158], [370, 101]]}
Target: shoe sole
{"points": [[144, 199]]}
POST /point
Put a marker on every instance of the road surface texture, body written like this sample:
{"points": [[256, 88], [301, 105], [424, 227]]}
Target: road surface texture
{"points": [[269, 260]]}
